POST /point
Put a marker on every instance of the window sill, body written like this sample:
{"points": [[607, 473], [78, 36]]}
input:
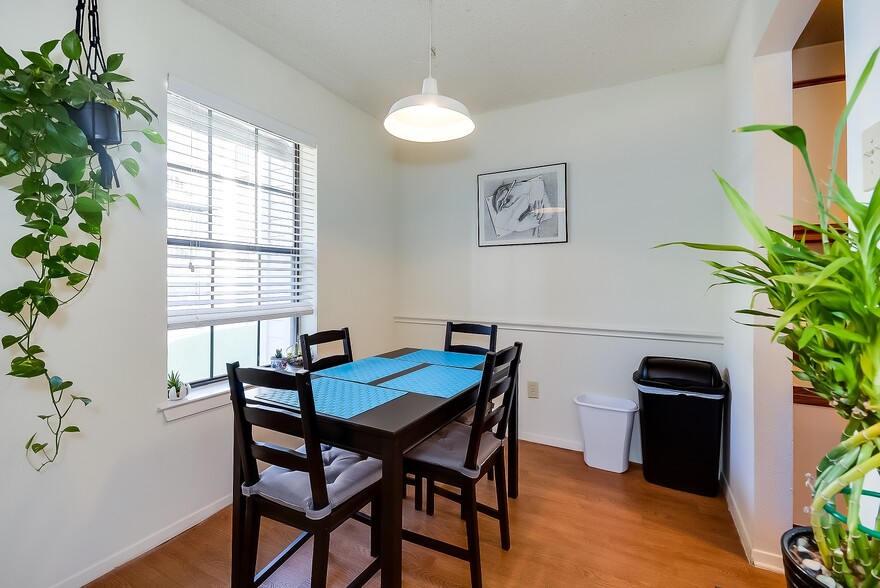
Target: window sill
{"points": [[201, 399]]}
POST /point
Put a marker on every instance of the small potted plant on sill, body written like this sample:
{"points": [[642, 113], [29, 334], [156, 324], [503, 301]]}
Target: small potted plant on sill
{"points": [[824, 306], [278, 361], [177, 390]]}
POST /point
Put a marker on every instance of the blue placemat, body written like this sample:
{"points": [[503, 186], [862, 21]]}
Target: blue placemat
{"points": [[338, 398], [366, 370], [436, 380], [450, 358]]}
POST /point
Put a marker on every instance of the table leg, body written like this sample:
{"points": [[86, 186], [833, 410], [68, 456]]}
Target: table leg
{"points": [[513, 450], [392, 518]]}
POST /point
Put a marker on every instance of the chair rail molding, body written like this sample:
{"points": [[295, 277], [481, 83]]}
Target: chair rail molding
{"points": [[580, 330]]}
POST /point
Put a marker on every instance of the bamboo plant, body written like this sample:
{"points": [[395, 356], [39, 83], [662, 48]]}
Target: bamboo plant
{"points": [[824, 306]]}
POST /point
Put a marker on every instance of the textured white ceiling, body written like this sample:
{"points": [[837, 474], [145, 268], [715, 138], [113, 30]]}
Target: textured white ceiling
{"points": [[490, 54]]}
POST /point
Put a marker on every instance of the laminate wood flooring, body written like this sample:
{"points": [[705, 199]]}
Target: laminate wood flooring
{"points": [[572, 526]]}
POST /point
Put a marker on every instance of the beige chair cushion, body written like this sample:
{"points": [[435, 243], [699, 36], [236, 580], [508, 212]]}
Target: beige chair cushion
{"points": [[347, 474], [448, 446]]}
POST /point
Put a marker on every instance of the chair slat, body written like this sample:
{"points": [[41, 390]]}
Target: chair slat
{"points": [[490, 331], [307, 341]]}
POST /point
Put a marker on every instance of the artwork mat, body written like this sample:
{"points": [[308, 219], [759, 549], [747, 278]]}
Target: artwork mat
{"points": [[556, 176]]}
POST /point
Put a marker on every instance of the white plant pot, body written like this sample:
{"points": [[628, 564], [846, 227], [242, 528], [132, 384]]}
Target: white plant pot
{"points": [[278, 363], [175, 394]]}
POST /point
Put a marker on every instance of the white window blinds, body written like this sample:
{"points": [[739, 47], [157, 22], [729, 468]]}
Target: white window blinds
{"points": [[241, 220]]}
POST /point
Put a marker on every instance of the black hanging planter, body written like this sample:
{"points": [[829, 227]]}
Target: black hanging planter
{"points": [[796, 576], [99, 122], [102, 126]]}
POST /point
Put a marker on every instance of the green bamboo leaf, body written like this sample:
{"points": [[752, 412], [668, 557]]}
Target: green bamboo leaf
{"points": [[829, 271], [746, 215], [790, 313], [71, 46], [842, 333]]}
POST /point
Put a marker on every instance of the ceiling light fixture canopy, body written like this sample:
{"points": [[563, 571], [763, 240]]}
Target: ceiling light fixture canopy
{"points": [[429, 117]]}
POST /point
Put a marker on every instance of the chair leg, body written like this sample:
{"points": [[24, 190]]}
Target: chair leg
{"points": [[429, 503], [320, 559], [249, 546], [418, 493], [501, 494], [375, 525], [469, 497]]}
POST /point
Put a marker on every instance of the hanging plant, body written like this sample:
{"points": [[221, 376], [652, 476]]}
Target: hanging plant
{"points": [[55, 127]]}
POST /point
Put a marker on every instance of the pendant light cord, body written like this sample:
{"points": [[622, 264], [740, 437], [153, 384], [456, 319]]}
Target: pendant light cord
{"points": [[430, 40]]}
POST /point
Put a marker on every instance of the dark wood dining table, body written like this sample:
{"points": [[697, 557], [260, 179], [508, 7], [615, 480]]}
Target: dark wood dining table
{"points": [[387, 432]]}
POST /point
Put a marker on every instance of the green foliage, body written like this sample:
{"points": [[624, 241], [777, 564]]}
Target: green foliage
{"points": [[825, 308], [174, 380], [62, 205]]}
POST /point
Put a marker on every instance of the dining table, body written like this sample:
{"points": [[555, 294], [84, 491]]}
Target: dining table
{"points": [[383, 406]]}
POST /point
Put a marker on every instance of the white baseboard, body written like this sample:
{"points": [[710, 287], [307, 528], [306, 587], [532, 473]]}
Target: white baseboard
{"points": [[757, 557], [128, 553], [552, 441]]}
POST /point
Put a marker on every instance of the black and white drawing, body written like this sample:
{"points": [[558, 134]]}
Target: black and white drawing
{"points": [[522, 206]]}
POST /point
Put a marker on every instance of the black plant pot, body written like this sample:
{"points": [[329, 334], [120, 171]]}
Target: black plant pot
{"points": [[100, 123], [795, 575], [102, 126]]}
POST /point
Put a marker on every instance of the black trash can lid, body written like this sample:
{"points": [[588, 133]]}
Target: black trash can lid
{"points": [[688, 375]]}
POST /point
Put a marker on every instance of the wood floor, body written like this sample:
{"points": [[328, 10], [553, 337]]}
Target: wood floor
{"points": [[572, 526]]}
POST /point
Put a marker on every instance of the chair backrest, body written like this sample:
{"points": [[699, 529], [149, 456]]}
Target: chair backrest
{"points": [[305, 425], [500, 374], [490, 331], [306, 342]]}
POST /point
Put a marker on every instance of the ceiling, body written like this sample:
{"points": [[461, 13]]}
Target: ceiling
{"points": [[490, 54]]}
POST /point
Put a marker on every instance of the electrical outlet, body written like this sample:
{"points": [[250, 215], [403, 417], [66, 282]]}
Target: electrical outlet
{"points": [[533, 389]]}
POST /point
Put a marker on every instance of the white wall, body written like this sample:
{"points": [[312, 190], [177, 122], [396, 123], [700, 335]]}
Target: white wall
{"points": [[862, 37], [758, 80], [130, 480], [640, 159]]}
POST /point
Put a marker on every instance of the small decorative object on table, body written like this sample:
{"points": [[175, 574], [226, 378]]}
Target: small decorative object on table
{"points": [[278, 361], [177, 390]]}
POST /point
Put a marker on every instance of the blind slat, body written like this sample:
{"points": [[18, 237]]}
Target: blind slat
{"points": [[241, 220]]}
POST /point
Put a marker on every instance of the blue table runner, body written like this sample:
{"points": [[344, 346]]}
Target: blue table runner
{"points": [[435, 380], [367, 370], [339, 398], [449, 358]]}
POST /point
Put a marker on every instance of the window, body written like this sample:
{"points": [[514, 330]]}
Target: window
{"points": [[241, 239]]}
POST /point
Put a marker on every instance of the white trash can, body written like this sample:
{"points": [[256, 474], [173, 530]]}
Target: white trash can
{"points": [[606, 429]]}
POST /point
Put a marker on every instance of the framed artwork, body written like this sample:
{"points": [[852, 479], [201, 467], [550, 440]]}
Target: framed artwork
{"points": [[522, 206]]}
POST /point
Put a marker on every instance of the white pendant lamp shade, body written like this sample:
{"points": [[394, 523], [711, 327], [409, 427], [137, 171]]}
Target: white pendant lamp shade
{"points": [[429, 117]]}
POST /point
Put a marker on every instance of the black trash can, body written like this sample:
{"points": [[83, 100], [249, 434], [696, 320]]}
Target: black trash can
{"points": [[682, 403]]}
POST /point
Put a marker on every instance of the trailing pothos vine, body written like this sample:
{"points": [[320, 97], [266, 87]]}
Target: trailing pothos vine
{"points": [[55, 175]]}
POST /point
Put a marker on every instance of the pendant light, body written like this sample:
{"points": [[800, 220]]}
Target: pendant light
{"points": [[429, 117]]}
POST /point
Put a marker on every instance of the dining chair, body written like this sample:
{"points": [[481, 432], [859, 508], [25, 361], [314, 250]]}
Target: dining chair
{"points": [[313, 489], [467, 418], [306, 342], [459, 455], [490, 331]]}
